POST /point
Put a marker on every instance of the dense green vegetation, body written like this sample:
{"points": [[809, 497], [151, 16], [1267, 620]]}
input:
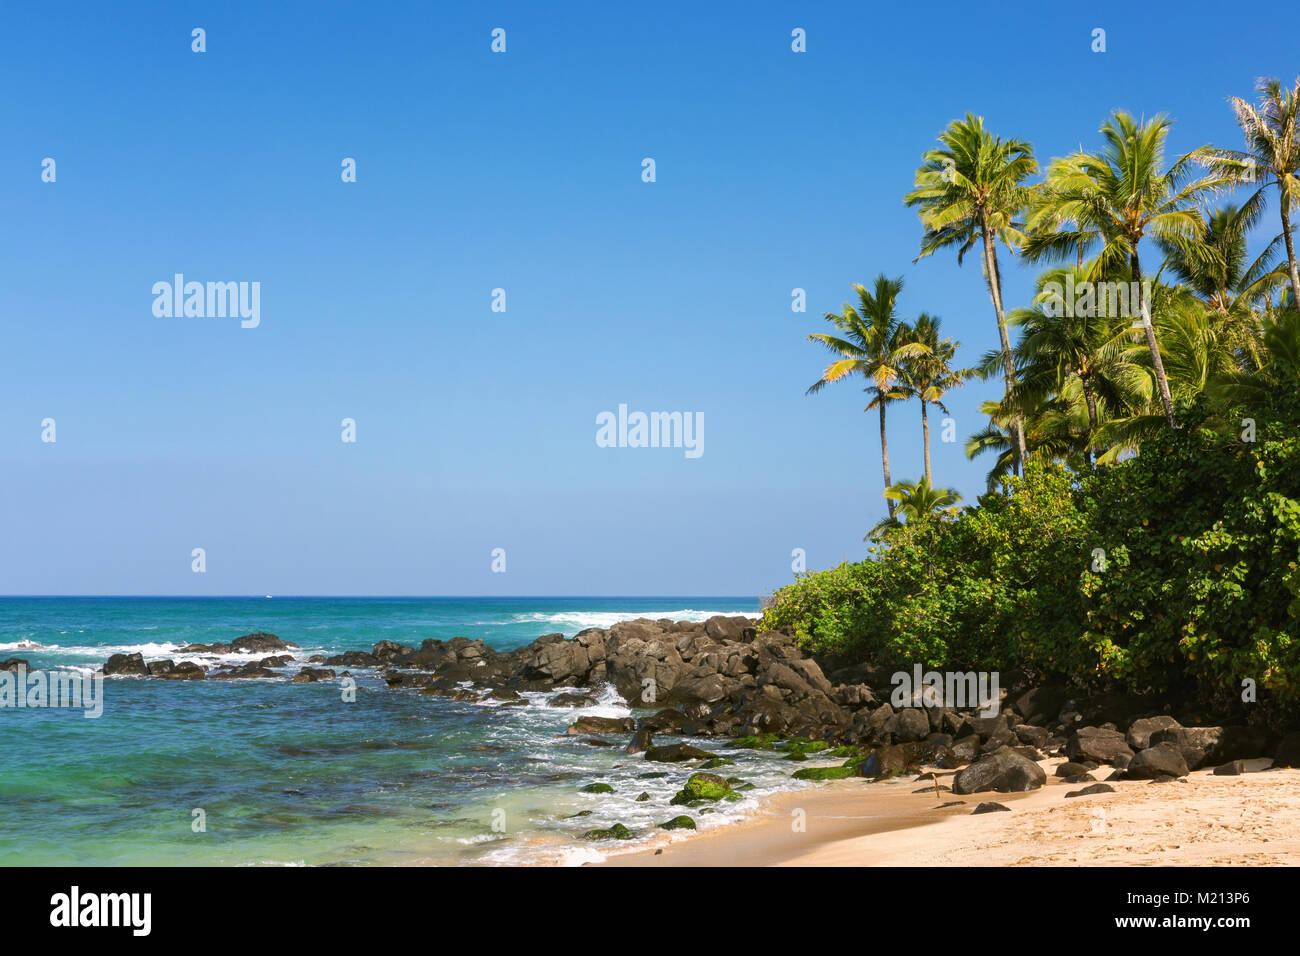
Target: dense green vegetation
{"points": [[1142, 525]]}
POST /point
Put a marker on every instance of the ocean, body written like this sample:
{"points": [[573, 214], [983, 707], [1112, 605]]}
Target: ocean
{"points": [[267, 772]]}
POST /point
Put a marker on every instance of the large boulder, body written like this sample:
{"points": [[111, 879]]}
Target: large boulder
{"points": [[1161, 760], [259, 642], [1139, 734], [908, 725], [703, 787], [1004, 772], [887, 761], [1213, 745], [1096, 744], [601, 725], [132, 665], [729, 628], [1041, 705]]}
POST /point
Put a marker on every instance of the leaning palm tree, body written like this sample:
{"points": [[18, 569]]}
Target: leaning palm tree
{"points": [[917, 501], [1125, 194], [1271, 157], [870, 341], [972, 189], [930, 375]]}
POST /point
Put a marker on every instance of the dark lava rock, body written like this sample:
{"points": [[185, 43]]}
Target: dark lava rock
{"points": [[309, 675], [1096, 743], [1139, 734], [1089, 791], [1004, 772], [886, 762], [1234, 768], [1160, 760], [989, 808], [1211, 745], [1078, 778], [126, 664], [1071, 769], [676, 753], [601, 725]]}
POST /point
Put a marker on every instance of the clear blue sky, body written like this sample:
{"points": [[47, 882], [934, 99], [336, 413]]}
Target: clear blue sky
{"points": [[476, 429]]}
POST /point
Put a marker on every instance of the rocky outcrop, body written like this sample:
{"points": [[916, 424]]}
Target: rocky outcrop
{"points": [[720, 677], [247, 644]]}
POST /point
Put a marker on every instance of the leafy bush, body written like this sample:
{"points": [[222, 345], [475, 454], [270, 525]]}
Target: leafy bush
{"points": [[1199, 590]]}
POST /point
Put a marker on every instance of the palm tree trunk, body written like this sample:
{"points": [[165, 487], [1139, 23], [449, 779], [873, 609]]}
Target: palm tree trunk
{"points": [[1290, 253], [925, 433], [884, 454], [1145, 311], [1008, 364], [1086, 381]]}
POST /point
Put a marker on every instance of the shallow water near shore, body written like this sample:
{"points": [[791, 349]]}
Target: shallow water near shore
{"points": [[289, 774]]}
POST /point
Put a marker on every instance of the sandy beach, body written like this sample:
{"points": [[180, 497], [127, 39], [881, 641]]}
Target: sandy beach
{"points": [[1202, 820]]}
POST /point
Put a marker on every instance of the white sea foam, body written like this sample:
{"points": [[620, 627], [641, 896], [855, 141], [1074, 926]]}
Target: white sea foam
{"points": [[573, 621]]}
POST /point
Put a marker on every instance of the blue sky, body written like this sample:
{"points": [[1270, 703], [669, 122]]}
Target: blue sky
{"points": [[522, 171]]}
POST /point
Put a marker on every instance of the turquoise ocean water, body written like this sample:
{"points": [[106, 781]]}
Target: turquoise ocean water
{"points": [[288, 774]]}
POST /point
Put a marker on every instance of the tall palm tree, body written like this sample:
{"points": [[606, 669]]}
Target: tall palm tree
{"points": [[870, 341], [1047, 238], [1125, 194], [917, 501], [930, 375], [972, 189], [1271, 157]]}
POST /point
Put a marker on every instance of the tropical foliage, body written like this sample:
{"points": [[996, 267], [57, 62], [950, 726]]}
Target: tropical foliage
{"points": [[1141, 525]]}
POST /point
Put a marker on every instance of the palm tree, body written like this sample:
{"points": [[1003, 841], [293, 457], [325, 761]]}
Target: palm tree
{"points": [[869, 342], [930, 375], [1271, 157], [1062, 344], [1055, 428], [1196, 350], [971, 189], [917, 501], [1123, 194], [1047, 239], [1281, 369], [1220, 275]]}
